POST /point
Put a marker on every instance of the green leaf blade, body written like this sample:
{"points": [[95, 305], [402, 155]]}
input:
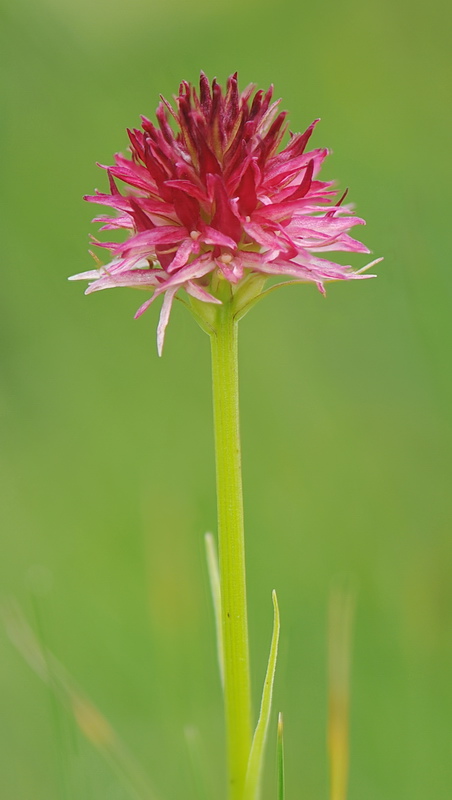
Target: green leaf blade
{"points": [[256, 759]]}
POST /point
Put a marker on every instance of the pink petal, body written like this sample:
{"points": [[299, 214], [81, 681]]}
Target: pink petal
{"points": [[164, 317], [184, 252], [197, 291], [343, 243], [90, 275], [112, 223], [211, 236], [145, 306], [295, 165], [164, 234], [232, 270], [133, 279], [196, 269], [265, 238], [328, 225]]}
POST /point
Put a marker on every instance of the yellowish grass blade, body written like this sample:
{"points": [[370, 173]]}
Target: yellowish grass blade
{"points": [[339, 658]]}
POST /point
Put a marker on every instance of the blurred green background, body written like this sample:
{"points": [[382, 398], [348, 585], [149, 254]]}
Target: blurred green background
{"points": [[106, 465]]}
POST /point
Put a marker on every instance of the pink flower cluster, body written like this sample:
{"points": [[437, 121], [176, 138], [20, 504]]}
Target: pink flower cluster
{"points": [[212, 198]]}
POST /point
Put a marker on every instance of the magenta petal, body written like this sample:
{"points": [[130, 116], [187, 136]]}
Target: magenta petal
{"points": [[224, 218], [246, 191], [190, 188], [115, 201]]}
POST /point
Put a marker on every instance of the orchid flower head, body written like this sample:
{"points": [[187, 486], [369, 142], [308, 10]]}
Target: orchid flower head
{"points": [[212, 200]]}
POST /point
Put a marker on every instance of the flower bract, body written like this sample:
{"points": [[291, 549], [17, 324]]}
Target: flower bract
{"points": [[213, 199]]}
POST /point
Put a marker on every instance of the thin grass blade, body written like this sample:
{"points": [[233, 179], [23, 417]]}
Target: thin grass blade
{"points": [[63, 742], [280, 758], [255, 763], [90, 721], [215, 587], [198, 762]]}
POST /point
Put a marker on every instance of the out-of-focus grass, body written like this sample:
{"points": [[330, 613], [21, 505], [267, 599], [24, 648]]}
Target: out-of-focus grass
{"points": [[106, 463]]}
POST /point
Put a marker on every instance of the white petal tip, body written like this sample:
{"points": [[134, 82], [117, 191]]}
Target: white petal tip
{"points": [[369, 266], [90, 275]]}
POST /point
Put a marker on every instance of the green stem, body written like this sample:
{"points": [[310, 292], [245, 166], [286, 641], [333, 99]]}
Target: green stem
{"points": [[231, 547]]}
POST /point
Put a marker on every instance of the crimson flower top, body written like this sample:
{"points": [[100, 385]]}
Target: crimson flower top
{"points": [[213, 200]]}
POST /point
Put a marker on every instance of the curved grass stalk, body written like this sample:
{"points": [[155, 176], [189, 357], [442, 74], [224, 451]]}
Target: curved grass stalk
{"points": [[215, 587]]}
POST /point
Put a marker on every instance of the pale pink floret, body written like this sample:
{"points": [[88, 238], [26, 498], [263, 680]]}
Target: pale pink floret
{"points": [[215, 197]]}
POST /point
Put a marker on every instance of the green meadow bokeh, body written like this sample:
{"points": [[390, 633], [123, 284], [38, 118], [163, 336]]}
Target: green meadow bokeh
{"points": [[106, 463]]}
